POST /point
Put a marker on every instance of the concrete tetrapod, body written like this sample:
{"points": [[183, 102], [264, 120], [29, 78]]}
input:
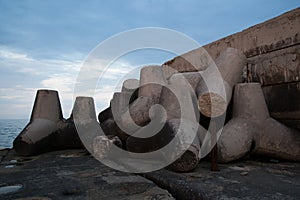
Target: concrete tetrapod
{"points": [[179, 102], [214, 90], [252, 129], [191, 157], [151, 83], [179, 99], [195, 60], [119, 104], [130, 86], [47, 130], [89, 129], [193, 78]]}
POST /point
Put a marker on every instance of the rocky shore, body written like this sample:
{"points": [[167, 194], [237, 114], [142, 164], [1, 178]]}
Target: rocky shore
{"points": [[75, 174]]}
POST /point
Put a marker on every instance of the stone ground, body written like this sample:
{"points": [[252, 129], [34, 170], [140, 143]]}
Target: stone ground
{"points": [[74, 174]]}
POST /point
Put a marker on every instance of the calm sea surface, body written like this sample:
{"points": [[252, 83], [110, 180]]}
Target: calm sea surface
{"points": [[9, 130]]}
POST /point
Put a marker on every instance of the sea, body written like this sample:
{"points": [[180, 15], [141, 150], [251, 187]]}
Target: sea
{"points": [[9, 130]]}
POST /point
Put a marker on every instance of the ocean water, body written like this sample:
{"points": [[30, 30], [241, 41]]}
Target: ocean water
{"points": [[9, 130]]}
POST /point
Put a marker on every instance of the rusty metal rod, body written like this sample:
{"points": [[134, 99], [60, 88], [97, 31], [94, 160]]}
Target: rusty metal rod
{"points": [[214, 152]]}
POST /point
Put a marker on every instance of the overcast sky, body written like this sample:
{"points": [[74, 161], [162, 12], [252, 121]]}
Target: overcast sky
{"points": [[43, 43]]}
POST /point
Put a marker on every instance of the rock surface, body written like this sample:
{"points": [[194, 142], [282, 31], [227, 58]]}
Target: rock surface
{"points": [[71, 174], [74, 174], [255, 179]]}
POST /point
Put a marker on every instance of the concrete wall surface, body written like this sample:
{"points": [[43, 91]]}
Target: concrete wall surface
{"points": [[272, 49]]}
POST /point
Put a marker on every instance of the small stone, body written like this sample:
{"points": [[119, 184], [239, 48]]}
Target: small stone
{"points": [[10, 189], [244, 173]]}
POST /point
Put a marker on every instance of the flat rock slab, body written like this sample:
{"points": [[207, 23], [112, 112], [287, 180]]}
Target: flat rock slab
{"points": [[74, 174], [263, 179], [71, 174]]}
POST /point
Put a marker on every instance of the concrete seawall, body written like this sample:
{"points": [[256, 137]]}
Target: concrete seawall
{"points": [[272, 49]]}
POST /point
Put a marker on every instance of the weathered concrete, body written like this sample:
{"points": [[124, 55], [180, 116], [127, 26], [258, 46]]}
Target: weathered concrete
{"points": [[85, 120], [187, 63], [151, 82], [193, 78], [102, 145], [283, 103], [190, 158], [120, 103], [252, 129], [249, 102], [278, 141], [215, 88], [236, 139], [271, 35], [138, 144], [276, 67], [47, 106], [272, 51], [130, 85], [72, 174], [179, 99], [137, 115], [246, 179], [111, 118], [47, 130]]}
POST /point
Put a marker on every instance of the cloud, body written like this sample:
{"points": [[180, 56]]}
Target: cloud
{"points": [[61, 82], [57, 74], [22, 75], [7, 54], [16, 102]]}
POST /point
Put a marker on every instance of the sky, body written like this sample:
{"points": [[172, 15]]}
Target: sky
{"points": [[43, 44]]}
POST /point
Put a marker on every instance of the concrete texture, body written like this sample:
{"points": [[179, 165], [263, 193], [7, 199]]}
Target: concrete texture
{"points": [[278, 141], [85, 120], [130, 85], [190, 158], [283, 103], [252, 129], [193, 78], [137, 115], [72, 175], [179, 99], [236, 139], [272, 51], [271, 35], [47, 129], [245, 179], [215, 89], [151, 82], [47, 106]]}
